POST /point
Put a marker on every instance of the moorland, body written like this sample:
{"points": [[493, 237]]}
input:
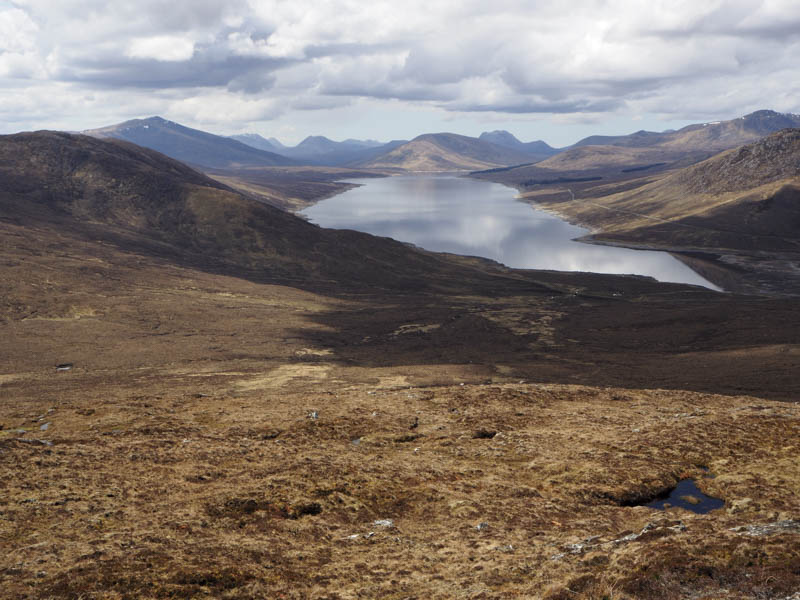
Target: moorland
{"points": [[203, 395]]}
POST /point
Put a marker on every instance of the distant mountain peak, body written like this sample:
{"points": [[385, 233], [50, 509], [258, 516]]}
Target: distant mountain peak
{"points": [[189, 145], [257, 141], [764, 112], [500, 136], [448, 152], [317, 138]]}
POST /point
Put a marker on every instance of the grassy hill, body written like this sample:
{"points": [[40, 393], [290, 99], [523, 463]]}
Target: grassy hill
{"points": [[745, 199], [118, 190], [446, 152]]}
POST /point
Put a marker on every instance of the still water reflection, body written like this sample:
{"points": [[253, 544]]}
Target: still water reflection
{"points": [[467, 216]]}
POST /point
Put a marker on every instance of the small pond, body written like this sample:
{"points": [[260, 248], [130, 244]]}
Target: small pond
{"points": [[688, 496]]}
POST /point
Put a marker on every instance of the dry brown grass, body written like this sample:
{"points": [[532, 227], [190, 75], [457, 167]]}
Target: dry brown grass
{"points": [[163, 494], [231, 435], [184, 462]]}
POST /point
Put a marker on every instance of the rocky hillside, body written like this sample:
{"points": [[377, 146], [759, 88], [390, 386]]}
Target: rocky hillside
{"points": [[743, 200], [772, 159], [715, 136]]}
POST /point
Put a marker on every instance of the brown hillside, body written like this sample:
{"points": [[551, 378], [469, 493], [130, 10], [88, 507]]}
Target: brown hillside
{"points": [[447, 152], [204, 397], [746, 199], [139, 198]]}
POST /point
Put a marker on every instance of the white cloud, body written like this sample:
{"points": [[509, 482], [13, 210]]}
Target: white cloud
{"points": [[162, 48], [267, 59]]}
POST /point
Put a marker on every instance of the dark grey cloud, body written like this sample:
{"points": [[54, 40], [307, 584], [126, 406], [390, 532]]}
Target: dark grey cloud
{"points": [[203, 69]]}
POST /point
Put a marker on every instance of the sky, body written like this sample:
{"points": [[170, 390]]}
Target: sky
{"points": [[393, 70]]}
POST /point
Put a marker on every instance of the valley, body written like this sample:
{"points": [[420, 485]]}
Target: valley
{"points": [[203, 395], [365, 301]]}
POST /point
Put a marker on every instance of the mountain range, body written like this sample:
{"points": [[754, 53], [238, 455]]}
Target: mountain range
{"points": [[447, 152], [613, 157], [257, 141], [427, 152], [436, 152], [192, 146], [693, 143], [509, 140], [717, 135], [320, 150]]}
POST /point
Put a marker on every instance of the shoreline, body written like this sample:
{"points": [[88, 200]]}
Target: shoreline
{"points": [[754, 273], [586, 239]]}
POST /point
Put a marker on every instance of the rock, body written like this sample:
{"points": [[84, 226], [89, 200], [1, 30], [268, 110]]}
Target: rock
{"points": [[786, 526], [34, 441], [383, 523]]}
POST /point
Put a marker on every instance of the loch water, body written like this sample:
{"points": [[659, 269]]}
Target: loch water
{"points": [[467, 216]]}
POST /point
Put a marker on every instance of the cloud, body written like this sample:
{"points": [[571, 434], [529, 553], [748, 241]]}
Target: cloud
{"points": [[166, 48], [267, 58]]}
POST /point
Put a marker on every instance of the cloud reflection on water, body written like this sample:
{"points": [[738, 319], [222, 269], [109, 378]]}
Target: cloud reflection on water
{"points": [[467, 216]]}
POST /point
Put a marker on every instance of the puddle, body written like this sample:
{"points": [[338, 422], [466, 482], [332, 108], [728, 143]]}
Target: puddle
{"points": [[686, 495]]}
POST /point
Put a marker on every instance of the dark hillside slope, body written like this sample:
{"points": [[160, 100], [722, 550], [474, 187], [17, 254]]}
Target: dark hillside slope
{"points": [[144, 201]]}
